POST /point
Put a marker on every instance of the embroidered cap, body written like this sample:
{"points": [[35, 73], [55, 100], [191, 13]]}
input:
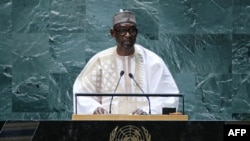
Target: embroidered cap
{"points": [[123, 16]]}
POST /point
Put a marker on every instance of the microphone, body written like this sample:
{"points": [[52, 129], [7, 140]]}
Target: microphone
{"points": [[132, 77], [121, 74]]}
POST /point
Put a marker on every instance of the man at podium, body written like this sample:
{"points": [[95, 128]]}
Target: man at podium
{"points": [[126, 67]]}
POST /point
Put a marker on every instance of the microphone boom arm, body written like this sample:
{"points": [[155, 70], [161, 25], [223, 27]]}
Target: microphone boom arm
{"points": [[121, 74], [149, 104]]}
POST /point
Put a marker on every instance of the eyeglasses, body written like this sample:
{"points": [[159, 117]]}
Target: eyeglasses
{"points": [[123, 31]]}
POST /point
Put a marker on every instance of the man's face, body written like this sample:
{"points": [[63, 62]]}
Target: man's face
{"points": [[125, 35]]}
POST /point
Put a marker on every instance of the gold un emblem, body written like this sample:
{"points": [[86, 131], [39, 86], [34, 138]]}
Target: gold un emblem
{"points": [[129, 133]]}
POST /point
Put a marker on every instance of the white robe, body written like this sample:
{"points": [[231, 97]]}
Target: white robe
{"points": [[101, 75]]}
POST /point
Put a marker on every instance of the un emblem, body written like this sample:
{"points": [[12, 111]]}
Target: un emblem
{"points": [[129, 133]]}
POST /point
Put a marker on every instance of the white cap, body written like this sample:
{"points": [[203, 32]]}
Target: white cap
{"points": [[123, 16]]}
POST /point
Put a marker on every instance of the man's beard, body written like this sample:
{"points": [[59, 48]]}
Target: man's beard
{"points": [[127, 45]]}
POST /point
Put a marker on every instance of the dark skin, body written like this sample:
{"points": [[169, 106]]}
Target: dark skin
{"points": [[125, 47], [125, 43]]}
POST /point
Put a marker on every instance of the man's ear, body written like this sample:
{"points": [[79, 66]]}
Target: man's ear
{"points": [[112, 32]]}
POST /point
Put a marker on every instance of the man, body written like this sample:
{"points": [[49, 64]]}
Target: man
{"points": [[124, 68]]}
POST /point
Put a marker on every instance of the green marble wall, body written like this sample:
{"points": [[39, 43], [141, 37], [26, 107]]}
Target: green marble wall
{"points": [[44, 44]]}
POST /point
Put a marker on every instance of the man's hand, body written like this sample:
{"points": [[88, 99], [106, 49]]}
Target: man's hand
{"points": [[100, 110], [139, 112]]}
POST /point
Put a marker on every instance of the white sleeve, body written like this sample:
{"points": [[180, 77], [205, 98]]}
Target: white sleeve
{"points": [[161, 82], [82, 84], [85, 104]]}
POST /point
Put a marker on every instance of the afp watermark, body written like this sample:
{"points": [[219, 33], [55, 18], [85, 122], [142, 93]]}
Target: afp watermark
{"points": [[235, 131]]}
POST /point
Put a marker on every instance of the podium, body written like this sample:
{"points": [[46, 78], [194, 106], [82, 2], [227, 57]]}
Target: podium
{"points": [[124, 117], [117, 117], [129, 95]]}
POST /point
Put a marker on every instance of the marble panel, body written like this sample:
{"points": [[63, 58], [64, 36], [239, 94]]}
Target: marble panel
{"points": [[60, 92], [67, 16], [30, 93], [241, 16], [5, 91], [6, 48], [241, 94], [99, 15], [213, 96], [187, 86], [68, 47], [31, 64], [177, 17], [31, 54], [241, 53], [178, 52], [30, 16], [213, 17], [213, 53], [5, 16]]}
